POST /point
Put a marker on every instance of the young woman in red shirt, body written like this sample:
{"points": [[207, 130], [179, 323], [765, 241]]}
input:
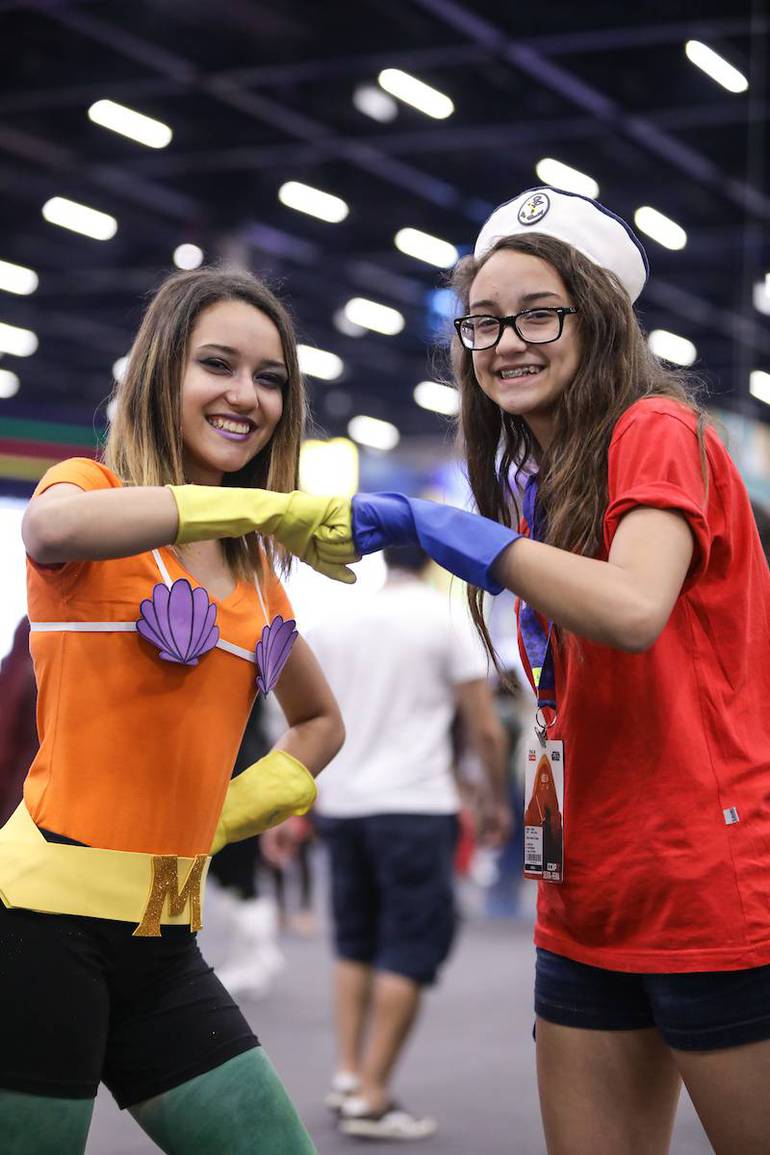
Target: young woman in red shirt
{"points": [[644, 620]]}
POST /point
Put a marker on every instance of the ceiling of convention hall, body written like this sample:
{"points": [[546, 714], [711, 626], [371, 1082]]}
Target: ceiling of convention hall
{"points": [[260, 96]]}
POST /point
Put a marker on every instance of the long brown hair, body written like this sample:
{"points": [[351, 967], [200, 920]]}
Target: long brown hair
{"points": [[616, 369], [144, 445]]}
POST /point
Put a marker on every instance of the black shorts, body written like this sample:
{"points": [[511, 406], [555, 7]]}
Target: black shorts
{"points": [[701, 1011], [83, 1002], [392, 890]]}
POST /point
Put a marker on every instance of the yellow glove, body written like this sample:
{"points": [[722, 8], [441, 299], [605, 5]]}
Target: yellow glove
{"points": [[315, 529], [262, 796]]}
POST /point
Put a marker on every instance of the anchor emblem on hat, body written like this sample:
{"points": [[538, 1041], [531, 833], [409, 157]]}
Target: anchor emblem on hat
{"points": [[534, 209]]}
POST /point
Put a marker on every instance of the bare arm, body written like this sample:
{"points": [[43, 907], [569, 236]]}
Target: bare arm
{"points": [[624, 602], [316, 731], [67, 524], [489, 740], [485, 732]]}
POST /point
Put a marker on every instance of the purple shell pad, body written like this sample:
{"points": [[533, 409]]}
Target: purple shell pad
{"points": [[179, 621], [272, 651]]}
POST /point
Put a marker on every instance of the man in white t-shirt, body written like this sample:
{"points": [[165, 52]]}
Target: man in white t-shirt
{"points": [[401, 664]]}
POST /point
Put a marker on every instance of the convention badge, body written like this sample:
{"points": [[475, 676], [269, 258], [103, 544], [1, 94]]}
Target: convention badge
{"points": [[543, 822]]}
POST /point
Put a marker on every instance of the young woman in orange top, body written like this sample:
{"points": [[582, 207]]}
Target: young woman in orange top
{"points": [[156, 615]]}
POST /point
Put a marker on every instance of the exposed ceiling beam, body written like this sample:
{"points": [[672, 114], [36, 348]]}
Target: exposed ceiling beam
{"points": [[363, 154], [269, 76], [67, 163], [480, 32], [643, 36], [448, 139], [310, 71], [640, 129]]}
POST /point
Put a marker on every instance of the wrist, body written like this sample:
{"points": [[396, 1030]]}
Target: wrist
{"points": [[503, 568]]}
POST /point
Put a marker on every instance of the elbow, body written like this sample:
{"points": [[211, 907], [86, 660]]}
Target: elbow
{"points": [[42, 535], [340, 736], [336, 735], [638, 631]]}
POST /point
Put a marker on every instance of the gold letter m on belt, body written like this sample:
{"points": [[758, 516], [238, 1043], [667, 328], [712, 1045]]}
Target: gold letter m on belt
{"points": [[165, 885]]}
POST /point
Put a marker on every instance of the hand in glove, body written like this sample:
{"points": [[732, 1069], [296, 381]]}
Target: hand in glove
{"points": [[315, 529], [265, 794], [464, 543]]}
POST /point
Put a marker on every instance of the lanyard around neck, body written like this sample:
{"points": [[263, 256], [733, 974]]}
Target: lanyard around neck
{"points": [[535, 637]]}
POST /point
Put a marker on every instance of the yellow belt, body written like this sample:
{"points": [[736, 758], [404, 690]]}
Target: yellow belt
{"points": [[52, 877]]}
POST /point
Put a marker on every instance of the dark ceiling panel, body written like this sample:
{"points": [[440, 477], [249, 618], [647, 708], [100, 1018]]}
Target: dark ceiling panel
{"points": [[259, 93]]}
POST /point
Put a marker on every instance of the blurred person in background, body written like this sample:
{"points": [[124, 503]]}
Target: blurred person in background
{"points": [[294, 877], [18, 734], [644, 622], [150, 579], [503, 892], [400, 663]]}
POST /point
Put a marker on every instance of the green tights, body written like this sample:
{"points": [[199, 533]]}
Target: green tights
{"points": [[37, 1125], [240, 1107]]}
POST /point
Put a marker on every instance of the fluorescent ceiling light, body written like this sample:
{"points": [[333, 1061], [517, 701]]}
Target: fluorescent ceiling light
{"points": [[374, 433], [661, 228], [80, 218], [426, 248], [188, 257], [130, 123], [312, 201], [17, 279], [761, 297], [560, 175], [371, 315], [759, 385], [715, 66], [9, 384], [671, 347], [375, 103], [437, 397], [343, 325], [327, 468], [17, 342], [319, 363], [415, 92]]}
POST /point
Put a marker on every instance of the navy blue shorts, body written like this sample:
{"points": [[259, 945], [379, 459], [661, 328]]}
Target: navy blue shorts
{"points": [[701, 1011], [392, 890]]}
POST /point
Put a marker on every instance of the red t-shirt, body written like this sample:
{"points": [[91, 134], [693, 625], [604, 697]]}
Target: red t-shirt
{"points": [[664, 749]]}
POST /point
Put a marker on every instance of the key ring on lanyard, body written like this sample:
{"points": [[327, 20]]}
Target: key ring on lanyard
{"points": [[542, 726]]}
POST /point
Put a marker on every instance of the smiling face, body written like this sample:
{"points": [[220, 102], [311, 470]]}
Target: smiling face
{"points": [[525, 380], [232, 390]]}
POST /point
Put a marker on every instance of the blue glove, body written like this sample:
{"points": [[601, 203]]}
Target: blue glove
{"points": [[466, 544]]}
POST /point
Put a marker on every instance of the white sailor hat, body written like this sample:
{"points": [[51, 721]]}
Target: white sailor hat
{"points": [[589, 227]]}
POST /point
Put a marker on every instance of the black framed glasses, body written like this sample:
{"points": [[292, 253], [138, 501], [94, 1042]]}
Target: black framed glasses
{"points": [[535, 326]]}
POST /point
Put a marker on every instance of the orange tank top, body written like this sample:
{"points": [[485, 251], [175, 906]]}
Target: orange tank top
{"points": [[135, 752]]}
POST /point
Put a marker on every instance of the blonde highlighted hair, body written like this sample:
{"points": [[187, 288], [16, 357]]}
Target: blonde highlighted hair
{"points": [[144, 445]]}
